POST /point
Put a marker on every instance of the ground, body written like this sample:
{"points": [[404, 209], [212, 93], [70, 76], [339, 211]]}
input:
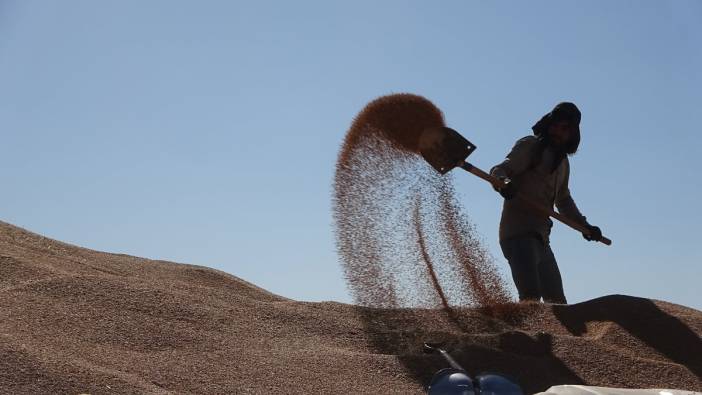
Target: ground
{"points": [[81, 321]]}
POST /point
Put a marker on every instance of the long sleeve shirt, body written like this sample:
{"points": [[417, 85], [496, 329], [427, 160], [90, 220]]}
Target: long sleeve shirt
{"points": [[539, 183]]}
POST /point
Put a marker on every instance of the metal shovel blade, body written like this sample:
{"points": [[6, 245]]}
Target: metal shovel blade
{"points": [[444, 148]]}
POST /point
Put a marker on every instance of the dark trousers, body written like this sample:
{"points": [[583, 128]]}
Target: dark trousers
{"points": [[534, 269]]}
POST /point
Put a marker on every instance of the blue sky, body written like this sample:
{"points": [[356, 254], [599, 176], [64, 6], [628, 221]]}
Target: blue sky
{"points": [[207, 132]]}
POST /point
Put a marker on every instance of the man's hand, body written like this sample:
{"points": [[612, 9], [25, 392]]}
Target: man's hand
{"points": [[595, 234], [508, 190]]}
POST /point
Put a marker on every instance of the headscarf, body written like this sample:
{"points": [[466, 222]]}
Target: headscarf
{"points": [[564, 111]]}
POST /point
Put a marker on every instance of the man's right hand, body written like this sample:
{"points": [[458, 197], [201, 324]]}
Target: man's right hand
{"points": [[508, 190], [594, 233]]}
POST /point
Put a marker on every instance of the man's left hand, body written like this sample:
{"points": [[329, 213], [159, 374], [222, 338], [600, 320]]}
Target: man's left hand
{"points": [[507, 189], [594, 234]]}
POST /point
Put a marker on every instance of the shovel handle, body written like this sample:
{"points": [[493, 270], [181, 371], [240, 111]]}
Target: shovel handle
{"points": [[429, 348], [496, 183]]}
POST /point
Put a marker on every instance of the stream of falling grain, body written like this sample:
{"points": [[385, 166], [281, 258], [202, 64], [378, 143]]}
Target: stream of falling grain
{"points": [[401, 235]]}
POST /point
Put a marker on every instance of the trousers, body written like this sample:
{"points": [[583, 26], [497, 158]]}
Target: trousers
{"points": [[534, 269]]}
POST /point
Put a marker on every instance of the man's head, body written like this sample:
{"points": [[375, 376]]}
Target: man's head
{"points": [[561, 127], [560, 132]]}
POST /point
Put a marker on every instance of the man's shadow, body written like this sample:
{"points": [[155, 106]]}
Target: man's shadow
{"points": [[642, 319], [480, 341]]}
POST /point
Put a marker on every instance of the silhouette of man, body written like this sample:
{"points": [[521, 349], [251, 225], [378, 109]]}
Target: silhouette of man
{"points": [[538, 168]]}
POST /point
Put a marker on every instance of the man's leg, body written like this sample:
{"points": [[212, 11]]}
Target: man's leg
{"points": [[550, 279], [524, 255]]}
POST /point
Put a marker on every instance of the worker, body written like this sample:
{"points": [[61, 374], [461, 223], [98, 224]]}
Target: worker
{"points": [[537, 168]]}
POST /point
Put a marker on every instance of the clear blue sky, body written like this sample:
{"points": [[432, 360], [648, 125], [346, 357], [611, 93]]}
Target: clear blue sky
{"points": [[206, 132]]}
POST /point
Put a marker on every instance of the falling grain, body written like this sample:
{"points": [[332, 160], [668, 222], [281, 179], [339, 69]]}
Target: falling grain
{"points": [[402, 238]]}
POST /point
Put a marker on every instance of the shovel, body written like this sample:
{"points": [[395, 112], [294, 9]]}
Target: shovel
{"points": [[445, 149]]}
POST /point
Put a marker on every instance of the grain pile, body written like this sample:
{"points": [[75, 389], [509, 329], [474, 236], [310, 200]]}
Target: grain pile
{"points": [[401, 235], [75, 321]]}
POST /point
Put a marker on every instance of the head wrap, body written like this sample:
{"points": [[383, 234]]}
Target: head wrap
{"points": [[564, 111]]}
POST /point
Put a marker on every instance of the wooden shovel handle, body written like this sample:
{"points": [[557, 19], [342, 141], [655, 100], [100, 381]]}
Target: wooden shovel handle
{"points": [[497, 183]]}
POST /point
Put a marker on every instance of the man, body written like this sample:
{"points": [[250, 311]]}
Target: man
{"points": [[538, 169]]}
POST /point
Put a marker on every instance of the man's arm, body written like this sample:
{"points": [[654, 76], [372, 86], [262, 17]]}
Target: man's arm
{"points": [[565, 203], [518, 160], [566, 206]]}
